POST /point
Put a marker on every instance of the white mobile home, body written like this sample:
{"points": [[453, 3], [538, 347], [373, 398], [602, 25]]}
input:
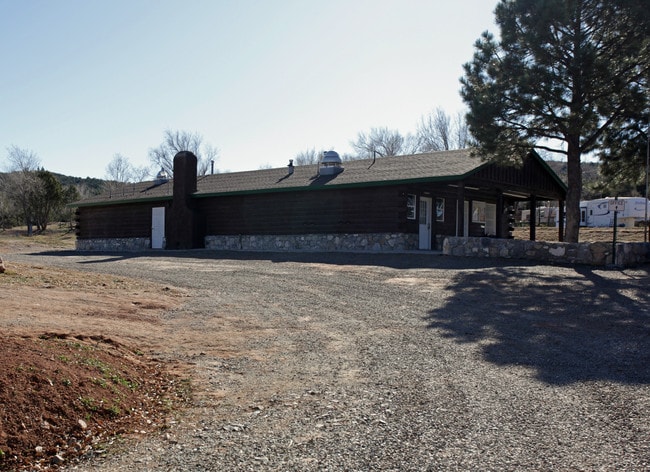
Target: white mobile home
{"points": [[599, 212]]}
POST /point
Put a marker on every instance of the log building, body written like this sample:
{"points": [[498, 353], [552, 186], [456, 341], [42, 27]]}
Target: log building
{"points": [[393, 203]]}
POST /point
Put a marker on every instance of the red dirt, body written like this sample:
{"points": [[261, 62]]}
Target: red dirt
{"points": [[67, 390]]}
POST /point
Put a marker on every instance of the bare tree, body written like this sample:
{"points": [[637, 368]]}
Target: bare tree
{"points": [[175, 141], [140, 173], [21, 183], [384, 141], [461, 131], [119, 169], [307, 157], [411, 144], [207, 156], [434, 131], [437, 131], [22, 160]]}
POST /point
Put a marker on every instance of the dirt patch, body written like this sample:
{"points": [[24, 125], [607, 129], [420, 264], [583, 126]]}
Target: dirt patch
{"points": [[64, 396], [76, 364], [587, 235]]}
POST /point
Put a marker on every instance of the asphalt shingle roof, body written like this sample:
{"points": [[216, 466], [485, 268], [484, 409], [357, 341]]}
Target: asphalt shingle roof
{"points": [[384, 170], [442, 165]]}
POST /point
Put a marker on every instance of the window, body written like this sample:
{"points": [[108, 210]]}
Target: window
{"points": [[440, 209], [410, 207], [478, 212]]}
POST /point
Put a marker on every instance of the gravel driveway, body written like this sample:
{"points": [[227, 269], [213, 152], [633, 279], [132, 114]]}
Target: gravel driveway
{"points": [[396, 362]]}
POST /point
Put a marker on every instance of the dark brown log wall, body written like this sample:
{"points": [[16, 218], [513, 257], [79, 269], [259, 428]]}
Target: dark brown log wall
{"points": [[351, 210], [364, 210], [116, 221]]}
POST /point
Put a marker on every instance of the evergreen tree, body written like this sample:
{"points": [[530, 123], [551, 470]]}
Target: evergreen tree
{"points": [[561, 75], [47, 199], [623, 158]]}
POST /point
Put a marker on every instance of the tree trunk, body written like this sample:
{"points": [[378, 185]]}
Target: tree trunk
{"points": [[574, 178]]}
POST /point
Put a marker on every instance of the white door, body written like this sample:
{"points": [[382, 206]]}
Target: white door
{"points": [[425, 222], [157, 227]]}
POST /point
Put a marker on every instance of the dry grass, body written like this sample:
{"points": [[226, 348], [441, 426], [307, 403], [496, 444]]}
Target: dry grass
{"points": [[55, 237], [587, 235]]}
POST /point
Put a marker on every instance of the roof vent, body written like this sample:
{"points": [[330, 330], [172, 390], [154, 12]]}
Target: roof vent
{"points": [[330, 164], [162, 177]]}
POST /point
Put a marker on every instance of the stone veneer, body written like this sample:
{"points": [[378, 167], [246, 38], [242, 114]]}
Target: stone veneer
{"points": [[113, 244], [596, 254], [379, 242]]}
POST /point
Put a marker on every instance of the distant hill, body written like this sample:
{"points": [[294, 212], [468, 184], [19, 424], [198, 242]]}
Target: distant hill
{"points": [[86, 186], [590, 176]]}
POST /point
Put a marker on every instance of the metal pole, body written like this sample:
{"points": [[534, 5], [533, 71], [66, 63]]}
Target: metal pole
{"points": [[647, 168], [614, 239]]}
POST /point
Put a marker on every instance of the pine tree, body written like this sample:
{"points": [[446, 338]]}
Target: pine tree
{"points": [[562, 73]]}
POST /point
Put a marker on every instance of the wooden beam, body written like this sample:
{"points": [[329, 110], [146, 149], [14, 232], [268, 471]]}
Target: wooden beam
{"points": [[460, 211], [533, 216], [501, 231], [560, 228]]}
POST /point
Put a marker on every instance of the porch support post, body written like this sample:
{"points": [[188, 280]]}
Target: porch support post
{"points": [[460, 213], [500, 211], [434, 223], [560, 228], [533, 216]]}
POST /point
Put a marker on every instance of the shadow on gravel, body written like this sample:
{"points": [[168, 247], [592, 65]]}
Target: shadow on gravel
{"points": [[574, 328], [402, 260], [582, 325]]}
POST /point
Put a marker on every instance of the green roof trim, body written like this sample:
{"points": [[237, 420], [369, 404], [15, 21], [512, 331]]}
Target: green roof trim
{"points": [[83, 203]]}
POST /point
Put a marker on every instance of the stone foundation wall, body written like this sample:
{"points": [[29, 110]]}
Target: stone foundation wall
{"points": [[113, 244], [379, 242], [595, 254]]}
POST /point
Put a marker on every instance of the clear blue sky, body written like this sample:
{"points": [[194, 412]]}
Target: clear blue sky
{"points": [[83, 80]]}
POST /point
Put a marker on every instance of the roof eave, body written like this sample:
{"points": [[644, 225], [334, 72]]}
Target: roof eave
{"points": [[95, 203]]}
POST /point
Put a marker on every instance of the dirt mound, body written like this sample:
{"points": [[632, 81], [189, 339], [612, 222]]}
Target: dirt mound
{"points": [[65, 395]]}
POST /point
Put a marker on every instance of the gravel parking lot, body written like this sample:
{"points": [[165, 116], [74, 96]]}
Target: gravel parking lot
{"points": [[394, 362]]}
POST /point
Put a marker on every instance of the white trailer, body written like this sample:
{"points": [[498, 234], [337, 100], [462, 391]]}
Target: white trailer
{"points": [[544, 216], [600, 213]]}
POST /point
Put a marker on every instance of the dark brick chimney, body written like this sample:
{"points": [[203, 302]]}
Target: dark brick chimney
{"points": [[181, 226]]}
